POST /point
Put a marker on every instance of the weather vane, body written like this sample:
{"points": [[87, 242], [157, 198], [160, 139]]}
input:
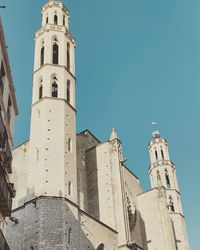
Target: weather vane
{"points": [[154, 125], [155, 133]]}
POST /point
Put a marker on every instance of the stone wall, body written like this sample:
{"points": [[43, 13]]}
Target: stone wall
{"points": [[50, 223]]}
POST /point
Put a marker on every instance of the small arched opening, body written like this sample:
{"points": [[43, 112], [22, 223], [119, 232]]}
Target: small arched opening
{"points": [[55, 19], [100, 247]]}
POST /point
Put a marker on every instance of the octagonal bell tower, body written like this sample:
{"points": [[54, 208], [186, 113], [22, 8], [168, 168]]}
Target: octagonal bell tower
{"points": [[52, 165], [162, 173]]}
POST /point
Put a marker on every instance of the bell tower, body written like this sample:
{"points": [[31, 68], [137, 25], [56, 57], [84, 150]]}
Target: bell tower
{"points": [[162, 173], [52, 165]]}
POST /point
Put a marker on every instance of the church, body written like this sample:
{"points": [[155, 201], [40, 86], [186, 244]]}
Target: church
{"points": [[74, 192]]}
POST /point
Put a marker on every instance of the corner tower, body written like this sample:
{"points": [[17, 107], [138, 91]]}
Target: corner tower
{"points": [[52, 165], [162, 173]]}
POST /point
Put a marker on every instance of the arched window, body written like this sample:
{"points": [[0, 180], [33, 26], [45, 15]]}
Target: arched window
{"points": [[100, 247], [171, 204], [55, 19], [68, 91], [54, 89], [47, 20], [40, 92], [68, 56], [167, 179], [162, 154], [63, 20], [42, 56], [158, 175], [55, 52], [156, 154]]}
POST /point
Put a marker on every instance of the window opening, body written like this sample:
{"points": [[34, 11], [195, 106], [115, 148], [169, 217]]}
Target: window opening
{"points": [[162, 154], [69, 235], [9, 109], [68, 56], [156, 154], [69, 145], [68, 91], [100, 247], [167, 179], [69, 188], [171, 204], [158, 175], [42, 56], [55, 52], [47, 20], [2, 77], [55, 19], [63, 20], [54, 89], [40, 92]]}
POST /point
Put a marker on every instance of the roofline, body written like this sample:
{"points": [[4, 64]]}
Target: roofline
{"points": [[7, 66], [130, 172], [19, 145], [87, 130]]}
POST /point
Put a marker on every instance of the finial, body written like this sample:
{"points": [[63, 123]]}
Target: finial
{"points": [[155, 133], [113, 135]]}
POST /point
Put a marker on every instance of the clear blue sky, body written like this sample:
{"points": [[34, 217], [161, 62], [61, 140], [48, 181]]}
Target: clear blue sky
{"points": [[136, 60]]}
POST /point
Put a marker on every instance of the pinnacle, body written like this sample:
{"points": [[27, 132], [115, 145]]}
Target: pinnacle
{"points": [[113, 135]]}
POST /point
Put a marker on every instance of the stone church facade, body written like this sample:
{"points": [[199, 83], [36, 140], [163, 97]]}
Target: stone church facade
{"points": [[74, 191]]}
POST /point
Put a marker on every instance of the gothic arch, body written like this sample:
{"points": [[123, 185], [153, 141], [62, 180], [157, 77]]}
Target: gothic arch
{"points": [[55, 50], [68, 93], [100, 247], [54, 85], [55, 19], [167, 178], [68, 56], [40, 88]]}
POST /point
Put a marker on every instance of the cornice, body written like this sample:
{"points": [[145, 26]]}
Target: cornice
{"points": [[53, 65], [59, 28]]}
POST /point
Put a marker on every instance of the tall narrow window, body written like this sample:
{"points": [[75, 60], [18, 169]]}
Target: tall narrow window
{"points": [[156, 154], [54, 89], [69, 235], [55, 19], [63, 20], [47, 20], [69, 188], [171, 204], [55, 52], [9, 109], [40, 92], [167, 179], [68, 56], [42, 56], [68, 91], [69, 145], [162, 154], [2, 77]]}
